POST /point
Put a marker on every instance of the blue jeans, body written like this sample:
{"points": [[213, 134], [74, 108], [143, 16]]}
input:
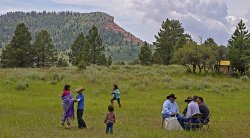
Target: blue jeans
{"points": [[182, 121], [109, 128]]}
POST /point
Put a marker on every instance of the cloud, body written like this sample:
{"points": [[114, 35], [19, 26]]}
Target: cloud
{"points": [[206, 18]]}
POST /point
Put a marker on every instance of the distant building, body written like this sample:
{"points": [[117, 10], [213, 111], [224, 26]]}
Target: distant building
{"points": [[224, 67]]}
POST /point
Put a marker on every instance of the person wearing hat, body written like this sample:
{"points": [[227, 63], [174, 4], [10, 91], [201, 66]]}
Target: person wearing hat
{"points": [[192, 109], [188, 100], [80, 107], [170, 108]]}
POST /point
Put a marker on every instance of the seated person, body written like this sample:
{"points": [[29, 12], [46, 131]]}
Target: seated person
{"points": [[193, 108], [188, 100], [170, 108], [203, 109]]}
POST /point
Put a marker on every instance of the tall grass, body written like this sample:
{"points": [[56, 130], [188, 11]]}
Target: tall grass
{"points": [[34, 109]]}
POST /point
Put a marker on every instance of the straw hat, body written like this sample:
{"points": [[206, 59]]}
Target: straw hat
{"points": [[80, 89]]}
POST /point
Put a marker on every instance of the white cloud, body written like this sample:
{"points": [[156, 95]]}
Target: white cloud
{"points": [[206, 18]]}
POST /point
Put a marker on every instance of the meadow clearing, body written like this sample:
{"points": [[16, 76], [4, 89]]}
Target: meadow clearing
{"points": [[30, 104]]}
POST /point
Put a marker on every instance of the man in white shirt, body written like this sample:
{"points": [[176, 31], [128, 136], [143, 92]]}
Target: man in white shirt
{"points": [[193, 108]]}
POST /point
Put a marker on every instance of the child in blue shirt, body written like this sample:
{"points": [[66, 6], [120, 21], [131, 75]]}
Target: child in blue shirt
{"points": [[116, 95], [80, 107]]}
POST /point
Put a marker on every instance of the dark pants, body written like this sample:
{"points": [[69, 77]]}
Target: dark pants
{"points": [[182, 121], [81, 122], [109, 128], [118, 100]]}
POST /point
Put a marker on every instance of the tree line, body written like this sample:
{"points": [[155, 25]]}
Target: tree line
{"points": [[22, 53], [174, 46]]}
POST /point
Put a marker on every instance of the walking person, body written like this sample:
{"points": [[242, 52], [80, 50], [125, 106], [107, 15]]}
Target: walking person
{"points": [[110, 120], [80, 107], [68, 105], [116, 96]]}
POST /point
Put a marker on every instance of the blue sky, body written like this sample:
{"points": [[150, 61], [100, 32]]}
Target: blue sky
{"points": [[143, 18]]}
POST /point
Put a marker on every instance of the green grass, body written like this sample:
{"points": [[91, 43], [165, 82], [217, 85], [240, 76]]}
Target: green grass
{"points": [[36, 111]]}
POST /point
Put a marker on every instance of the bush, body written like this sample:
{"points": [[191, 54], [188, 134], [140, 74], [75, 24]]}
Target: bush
{"points": [[167, 79], [248, 73], [244, 78], [22, 85], [82, 65], [57, 77]]}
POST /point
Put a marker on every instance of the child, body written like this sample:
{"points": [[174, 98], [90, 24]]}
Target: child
{"points": [[116, 95], [110, 120], [80, 107], [68, 105]]}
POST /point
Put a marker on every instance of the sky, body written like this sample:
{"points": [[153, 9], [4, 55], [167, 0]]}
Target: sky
{"points": [[143, 18]]}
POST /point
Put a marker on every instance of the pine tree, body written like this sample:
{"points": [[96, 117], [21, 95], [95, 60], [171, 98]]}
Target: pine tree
{"points": [[170, 38], [210, 42], [96, 48], [1, 44], [239, 47], [19, 53], [82, 65], [145, 55], [62, 63], [79, 51], [45, 52], [109, 61]]}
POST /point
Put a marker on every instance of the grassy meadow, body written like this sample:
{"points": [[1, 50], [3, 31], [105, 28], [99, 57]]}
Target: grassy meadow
{"points": [[30, 104]]}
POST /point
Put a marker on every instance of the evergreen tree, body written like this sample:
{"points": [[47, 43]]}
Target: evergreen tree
{"points": [[170, 38], [102, 60], [79, 51], [1, 44], [82, 65], [109, 61], [62, 63], [19, 53], [45, 52], [157, 58], [96, 48], [145, 55], [210, 42], [239, 47]]}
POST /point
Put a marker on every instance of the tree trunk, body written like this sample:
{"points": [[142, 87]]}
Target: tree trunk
{"points": [[194, 68], [187, 68]]}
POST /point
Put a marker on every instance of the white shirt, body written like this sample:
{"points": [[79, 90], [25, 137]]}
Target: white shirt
{"points": [[193, 108]]}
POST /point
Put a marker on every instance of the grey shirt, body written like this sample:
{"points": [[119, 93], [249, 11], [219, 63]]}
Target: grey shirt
{"points": [[204, 110]]}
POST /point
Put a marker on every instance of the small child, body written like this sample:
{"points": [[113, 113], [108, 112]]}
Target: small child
{"points": [[80, 107], [116, 96], [110, 120]]}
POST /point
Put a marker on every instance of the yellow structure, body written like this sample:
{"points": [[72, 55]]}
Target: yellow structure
{"points": [[224, 67]]}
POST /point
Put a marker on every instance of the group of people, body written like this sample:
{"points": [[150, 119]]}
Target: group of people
{"points": [[195, 105], [68, 107]]}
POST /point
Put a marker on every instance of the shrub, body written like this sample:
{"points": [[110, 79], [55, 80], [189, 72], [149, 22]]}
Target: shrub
{"points": [[22, 85], [167, 79], [82, 65], [248, 73], [57, 77], [244, 78]]}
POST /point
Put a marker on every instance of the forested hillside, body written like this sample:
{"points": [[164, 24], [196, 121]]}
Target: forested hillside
{"points": [[65, 26]]}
